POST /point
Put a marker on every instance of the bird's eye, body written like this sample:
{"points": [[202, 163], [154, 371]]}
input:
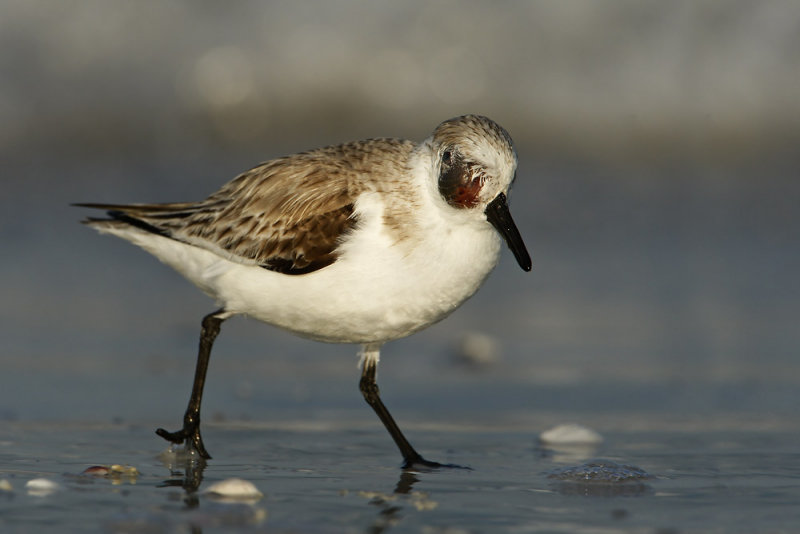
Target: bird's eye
{"points": [[447, 157]]}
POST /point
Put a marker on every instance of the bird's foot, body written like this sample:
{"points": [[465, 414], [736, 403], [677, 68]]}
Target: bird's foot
{"points": [[190, 433], [419, 463]]}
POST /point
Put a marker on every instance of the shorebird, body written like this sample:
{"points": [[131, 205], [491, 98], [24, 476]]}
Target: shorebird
{"points": [[362, 243]]}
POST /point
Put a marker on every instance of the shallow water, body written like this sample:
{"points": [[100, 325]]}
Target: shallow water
{"points": [[722, 458], [343, 476]]}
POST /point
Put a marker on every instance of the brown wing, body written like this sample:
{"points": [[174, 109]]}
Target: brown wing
{"points": [[288, 215]]}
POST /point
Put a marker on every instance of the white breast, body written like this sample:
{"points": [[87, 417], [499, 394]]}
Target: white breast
{"points": [[380, 288]]}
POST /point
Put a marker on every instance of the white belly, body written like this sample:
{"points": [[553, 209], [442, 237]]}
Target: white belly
{"points": [[377, 290]]}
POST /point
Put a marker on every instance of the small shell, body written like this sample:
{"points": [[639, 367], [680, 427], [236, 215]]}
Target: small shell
{"points": [[96, 471], [124, 470], [476, 348], [114, 470], [41, 487], [233, 489], [570, 434]]}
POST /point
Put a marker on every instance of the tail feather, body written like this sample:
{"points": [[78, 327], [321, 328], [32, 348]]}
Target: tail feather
{"points": [[136, 214]]}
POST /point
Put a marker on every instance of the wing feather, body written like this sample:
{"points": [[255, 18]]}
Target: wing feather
{"points": [[288, 215]]}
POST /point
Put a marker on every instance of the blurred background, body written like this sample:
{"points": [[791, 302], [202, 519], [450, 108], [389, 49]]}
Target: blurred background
{"points": [[657, 192]]}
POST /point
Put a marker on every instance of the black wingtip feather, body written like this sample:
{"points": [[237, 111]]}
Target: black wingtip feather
{"points": [[138, 223], [116, 214]]}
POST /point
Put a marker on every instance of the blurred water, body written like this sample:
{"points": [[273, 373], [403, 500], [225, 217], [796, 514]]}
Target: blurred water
{"points": [[603, 77]]}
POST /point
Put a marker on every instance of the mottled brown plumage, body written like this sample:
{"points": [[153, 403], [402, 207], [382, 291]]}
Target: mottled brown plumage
{"points": [[288, 214]]}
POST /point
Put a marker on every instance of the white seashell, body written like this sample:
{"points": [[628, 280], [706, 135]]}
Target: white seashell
{"points": [[41, 486], [233, 489], [570, 434], [478, 349]]}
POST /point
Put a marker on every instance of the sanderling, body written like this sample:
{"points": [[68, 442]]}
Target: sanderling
{"points": [[363, 243]]}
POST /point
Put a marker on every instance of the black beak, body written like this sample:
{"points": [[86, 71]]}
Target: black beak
{"points": [[497, 213]]}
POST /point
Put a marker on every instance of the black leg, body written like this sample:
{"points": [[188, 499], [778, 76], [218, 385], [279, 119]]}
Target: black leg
{"points": [[191, 419], [369, 388]]}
